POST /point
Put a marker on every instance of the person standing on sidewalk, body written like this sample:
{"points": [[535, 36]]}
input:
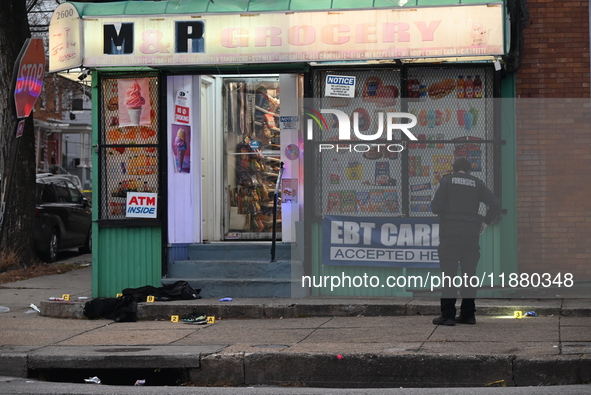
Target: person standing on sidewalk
{"points": [[457, 202]]}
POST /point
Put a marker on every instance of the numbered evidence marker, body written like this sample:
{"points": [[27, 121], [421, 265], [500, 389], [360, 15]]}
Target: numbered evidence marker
{"points": [[119, 295], [174, 318], [151, 299], [518, 314], [211, 319], [66, 296]]}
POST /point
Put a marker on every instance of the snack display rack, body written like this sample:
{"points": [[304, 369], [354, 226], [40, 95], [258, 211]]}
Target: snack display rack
{"points": [[253, 156], [454, 119]]}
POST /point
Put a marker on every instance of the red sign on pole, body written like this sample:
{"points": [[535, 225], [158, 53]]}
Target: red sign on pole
{"points": [[20, 127], [29, 70]]}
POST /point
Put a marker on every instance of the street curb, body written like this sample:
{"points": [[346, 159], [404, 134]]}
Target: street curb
{"points": [[301, 308], [358, 370]]}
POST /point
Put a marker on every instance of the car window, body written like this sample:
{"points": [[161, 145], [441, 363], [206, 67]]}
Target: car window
{"points": [[47, 193], [63, 195], [75, 195]]}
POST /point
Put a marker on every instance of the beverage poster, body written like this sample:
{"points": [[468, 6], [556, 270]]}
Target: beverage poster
{"points": [[134, 102]]}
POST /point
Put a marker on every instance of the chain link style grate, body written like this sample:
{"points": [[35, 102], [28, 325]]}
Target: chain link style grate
{"points": [[129, 154], [378, 178]]}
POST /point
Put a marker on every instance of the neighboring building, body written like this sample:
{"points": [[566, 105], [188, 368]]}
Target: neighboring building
{"points": [[554, 151], [63, 128]]}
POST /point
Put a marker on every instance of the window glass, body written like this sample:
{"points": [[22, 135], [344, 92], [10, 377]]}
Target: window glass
{"points": [[75, 195], [62, 193]]}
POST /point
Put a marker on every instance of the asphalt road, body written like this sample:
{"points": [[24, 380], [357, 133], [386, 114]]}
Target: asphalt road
{"points": [[19, 386]]}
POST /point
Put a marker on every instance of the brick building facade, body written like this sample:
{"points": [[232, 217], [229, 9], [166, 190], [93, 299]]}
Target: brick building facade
{"points": [[553, 137]]}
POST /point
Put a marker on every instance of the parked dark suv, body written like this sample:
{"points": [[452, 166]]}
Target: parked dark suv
{"points": [[62, 217]]}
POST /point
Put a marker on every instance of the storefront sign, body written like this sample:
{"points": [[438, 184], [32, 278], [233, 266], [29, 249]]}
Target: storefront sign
{"points": [[65, 38], [345, 35], [374, 241], [141, 205]]}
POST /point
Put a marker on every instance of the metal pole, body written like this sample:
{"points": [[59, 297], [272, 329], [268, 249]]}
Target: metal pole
{"points": [[275, 200]]}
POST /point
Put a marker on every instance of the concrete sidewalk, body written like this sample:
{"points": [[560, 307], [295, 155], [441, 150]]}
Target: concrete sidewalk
{"points": [[321, 342]]}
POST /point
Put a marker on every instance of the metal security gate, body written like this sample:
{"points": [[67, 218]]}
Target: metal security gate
{"points": [[396, 178], [129, 148]]}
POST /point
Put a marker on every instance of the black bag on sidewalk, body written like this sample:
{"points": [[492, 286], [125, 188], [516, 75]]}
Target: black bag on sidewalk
{"points": [[122, 309], [180, 290]]}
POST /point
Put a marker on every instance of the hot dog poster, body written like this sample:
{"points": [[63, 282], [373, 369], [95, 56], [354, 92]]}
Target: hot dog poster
{"points": [[134, 102]]}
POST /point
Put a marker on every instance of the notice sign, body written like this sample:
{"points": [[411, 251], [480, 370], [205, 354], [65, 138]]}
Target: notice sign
{"points": [[289, 122], [290, 190], [339, 86], [141, 205], [181, 107]]}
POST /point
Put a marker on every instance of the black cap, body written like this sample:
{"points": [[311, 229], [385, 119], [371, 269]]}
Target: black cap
{"points": [[462, 164]]}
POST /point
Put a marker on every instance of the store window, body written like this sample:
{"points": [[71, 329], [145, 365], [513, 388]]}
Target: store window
{"points": [[377, 178], [251, 122], [128, 144]]}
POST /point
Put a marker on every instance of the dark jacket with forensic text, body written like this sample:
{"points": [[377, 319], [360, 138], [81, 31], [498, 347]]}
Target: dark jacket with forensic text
{"points": [[459, 196]]}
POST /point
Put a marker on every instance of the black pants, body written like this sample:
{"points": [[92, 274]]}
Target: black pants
{"points": [[458, 246]]}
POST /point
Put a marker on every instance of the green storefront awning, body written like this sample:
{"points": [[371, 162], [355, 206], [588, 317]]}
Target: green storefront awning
{"points": [[141, 7]]}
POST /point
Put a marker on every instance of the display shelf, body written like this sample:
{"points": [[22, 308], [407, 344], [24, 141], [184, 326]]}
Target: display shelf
{"points": [[254, 133]]}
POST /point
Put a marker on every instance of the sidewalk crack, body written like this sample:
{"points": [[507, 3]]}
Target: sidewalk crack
{"points": [[315, 329]]}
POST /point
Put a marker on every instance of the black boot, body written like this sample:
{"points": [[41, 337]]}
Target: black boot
{"points": [[448, 312], [467, 312]]}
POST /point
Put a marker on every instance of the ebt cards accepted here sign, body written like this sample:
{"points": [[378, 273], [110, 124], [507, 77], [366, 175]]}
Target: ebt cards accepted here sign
{"points": [[141, 205]]}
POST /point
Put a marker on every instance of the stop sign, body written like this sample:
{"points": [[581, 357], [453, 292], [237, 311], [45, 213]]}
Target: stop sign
{"points": [[30, 70]]}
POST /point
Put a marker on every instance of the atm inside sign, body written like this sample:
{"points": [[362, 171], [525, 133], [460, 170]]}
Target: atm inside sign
{"points": [[141, 205]]}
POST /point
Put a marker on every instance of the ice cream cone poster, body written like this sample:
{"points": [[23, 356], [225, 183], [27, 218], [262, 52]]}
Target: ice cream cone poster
{"points": [[134, 102], [181, 148]]}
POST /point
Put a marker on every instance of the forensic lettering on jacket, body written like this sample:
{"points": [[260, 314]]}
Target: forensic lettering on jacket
{"points": [[463, 181]]}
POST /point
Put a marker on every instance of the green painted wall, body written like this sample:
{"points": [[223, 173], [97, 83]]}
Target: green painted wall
{"points": [[127, 258]]}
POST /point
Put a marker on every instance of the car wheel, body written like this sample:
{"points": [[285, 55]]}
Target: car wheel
{"points": [[52, 248], [87, 248]]}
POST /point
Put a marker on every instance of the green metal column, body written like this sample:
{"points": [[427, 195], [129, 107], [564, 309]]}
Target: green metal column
{"points": [[509, 175]]}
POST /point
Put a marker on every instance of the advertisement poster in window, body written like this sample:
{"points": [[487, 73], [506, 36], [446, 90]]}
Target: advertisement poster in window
{"points": [[134, 102], [181, 148]]}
